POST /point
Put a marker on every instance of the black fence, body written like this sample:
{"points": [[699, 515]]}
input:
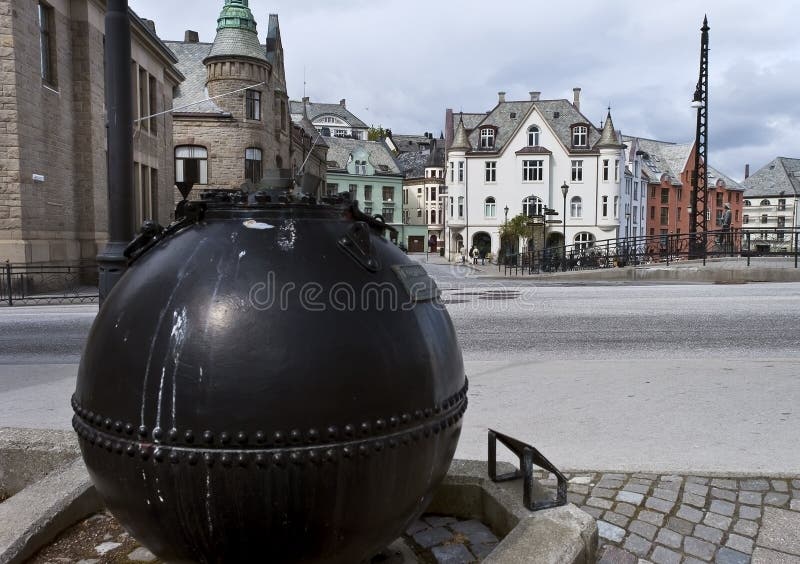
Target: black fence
{"points": [[667, 248], [30, 284]]}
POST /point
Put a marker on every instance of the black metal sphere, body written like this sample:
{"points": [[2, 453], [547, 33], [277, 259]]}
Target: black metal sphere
{"points": [[264, 362]]}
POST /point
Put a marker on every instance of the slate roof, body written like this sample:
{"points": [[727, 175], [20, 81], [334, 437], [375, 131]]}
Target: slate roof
{"points": [[410, 143], [471, 120], [192, 90], [316, 110], [413, 164], [379, 156], [780, 177], [231, 42]]}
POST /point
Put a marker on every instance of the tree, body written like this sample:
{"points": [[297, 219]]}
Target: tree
{"points": [[510, 233], [378, 133]]}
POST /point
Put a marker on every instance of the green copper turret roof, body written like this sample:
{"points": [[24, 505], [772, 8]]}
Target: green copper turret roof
{"points": [[237, 34]]}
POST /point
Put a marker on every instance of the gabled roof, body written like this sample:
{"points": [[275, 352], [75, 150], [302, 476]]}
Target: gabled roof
{"points": [[780, 177], [411, 143], [316, 110], [379, 156]]}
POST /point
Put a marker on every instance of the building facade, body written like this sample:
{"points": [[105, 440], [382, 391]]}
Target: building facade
{"points": [[424, 191], [518, 156], [770, 207], [53, 185], [332, 120]]}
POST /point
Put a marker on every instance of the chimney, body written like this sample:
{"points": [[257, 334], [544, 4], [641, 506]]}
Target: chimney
{"points": [[449, 127], [149, 24], [535, 95], [343, 103], [191, 37], [501, 97], [746, 171], [576, 98]]}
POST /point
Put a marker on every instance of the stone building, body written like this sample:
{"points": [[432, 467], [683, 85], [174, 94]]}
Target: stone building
{"points": [[53, 187], [232, 120], [771, 195]]}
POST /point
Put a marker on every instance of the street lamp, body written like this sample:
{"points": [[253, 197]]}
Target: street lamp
{"points": [[627, 237], [564, 190], [505, 236]]}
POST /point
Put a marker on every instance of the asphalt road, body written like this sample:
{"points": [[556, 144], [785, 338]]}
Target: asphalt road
{"points": [[683, 378]]}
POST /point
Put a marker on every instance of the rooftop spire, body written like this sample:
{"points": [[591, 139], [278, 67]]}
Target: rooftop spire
{"points": [[236, 14], [608, 138], [460, 140], [237, 35]]}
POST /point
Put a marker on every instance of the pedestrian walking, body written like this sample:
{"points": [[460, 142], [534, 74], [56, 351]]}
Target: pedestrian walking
{"points": [[475, 253]]}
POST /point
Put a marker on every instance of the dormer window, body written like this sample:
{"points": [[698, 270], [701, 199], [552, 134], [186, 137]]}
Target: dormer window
{"points": [[579, 135], [487, 138], [361, 167], [533, 136]]}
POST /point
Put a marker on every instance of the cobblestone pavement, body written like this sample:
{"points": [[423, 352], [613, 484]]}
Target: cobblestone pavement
{"points": [[447, 540], [669, 519]]}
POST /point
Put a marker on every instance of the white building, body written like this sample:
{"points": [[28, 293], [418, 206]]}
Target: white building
{"points": [[518, 156], [332, 120], [770, 206], [633, 197]]}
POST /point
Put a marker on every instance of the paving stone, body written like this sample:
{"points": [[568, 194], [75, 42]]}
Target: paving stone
{"points": [[669, 495], [452, 554], [476, 532], [643, 529], [432, 537], [796, 484], [483, 550], [718, 521], [641, 481], [578, 488], [663, 555], [615, 555], [693, 560], [672, 478], [603, 492], [728, 556], [598, 502], [616, 519], [669, 538], [758, 485], [630, 497], [751, 498], [680, 526], [593, 511], [416, 527], [740, 543], [690, 514], [794, 505], [747, 512], [637, 488], [774, 498], [626, 509], [610, 532], [105, 547], [722, 507], [781, 486], [613, 477], [727, 484], [654, 476], [707, 533], [723, 494], [694, 499], [695, 488], [744, 527], [659, 504], [439, 520], [697, 480], [610, 484], [637, 545], [779, 531], [141, 554], [581, 480], [796, 494], [576, 499], [652, 517], [698, 547]]}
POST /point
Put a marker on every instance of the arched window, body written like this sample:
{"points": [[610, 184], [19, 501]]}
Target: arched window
{"points": [[489, 207], [532, 206], [576, 207], [533, 136], [747, 203], [191, 164], [583, 241], [764, 202], [278, 161], [252, 164]]}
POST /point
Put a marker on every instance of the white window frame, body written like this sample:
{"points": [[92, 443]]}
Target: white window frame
{"points": [[533, 136], [461, 171], [489, 207], [577, 170], [532, 205], [576, 207], [583, 240], [490, 175], [580, 134], [191, 152], [487, 138], [533, 170]]}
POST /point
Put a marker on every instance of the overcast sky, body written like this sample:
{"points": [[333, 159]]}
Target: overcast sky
{"points": [[400, 64]]}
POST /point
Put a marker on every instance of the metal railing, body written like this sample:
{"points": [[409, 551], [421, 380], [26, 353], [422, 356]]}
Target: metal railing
{"points": [[644, 250], [32, 284]]}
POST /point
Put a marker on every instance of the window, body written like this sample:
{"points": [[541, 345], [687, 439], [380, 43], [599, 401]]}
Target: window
{"points": [[664, 216], [737, 197], [763, 218], [461, 206], [144, 98], [576, 207], [284, 115], [679, 195], [452, 168], [461, 171], [253, 104], [678, 215], [432, 193], [153, 90], [252, 164], [489, 207], [491, 171], [636, 191], [665, 195], [47, 44], [747, 203], [745, 218], [388, 194], [636, 215], [652, 212], [331, 189], [764, 202], [652, 191], [533, 136], [616, 170], [719, 199], [532, 206], [487, 138], [388, 215], [191, 164], [616, 207], [584, 241], [353, 188], [606, 171], [628, 184], [451, 206], [419, 212], [368, 193], [361, 167], [605, 206], [145, 186], [341, 133], [405, 196], [577, 171], [781, 204], [579, 133], [433, 216], [532, 171], [781, 225]]}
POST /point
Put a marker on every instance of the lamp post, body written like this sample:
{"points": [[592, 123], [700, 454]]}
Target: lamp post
{"points": [[564, 190], [698, 226], [627, 237], [504, 242]]}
